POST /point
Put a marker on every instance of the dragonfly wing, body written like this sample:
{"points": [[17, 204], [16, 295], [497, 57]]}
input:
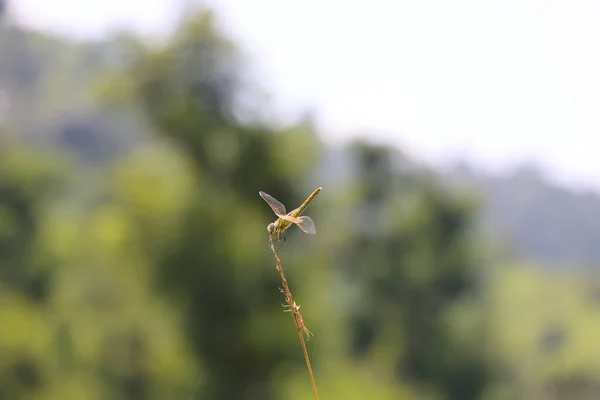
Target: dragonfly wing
{"points": [[276, 206], [307, 225]]}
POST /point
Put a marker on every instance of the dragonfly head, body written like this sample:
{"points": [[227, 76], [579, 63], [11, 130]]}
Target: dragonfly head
{"points": [[271, 228]]}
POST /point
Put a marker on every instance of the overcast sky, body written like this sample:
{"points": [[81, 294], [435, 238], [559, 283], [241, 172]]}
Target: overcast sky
{"points": [[496, 81]]}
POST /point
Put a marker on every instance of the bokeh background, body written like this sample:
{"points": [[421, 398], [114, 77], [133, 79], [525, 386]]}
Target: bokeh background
{"points": [[458, 230]]}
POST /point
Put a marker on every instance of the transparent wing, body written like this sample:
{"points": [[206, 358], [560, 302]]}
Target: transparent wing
{"points": [[307, 225], [276, 206]]}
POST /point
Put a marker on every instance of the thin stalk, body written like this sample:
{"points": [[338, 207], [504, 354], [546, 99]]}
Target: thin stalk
{"points": [[298, 321]]}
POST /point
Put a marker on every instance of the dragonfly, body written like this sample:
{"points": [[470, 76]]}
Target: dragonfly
{"points": [[285, 220]]}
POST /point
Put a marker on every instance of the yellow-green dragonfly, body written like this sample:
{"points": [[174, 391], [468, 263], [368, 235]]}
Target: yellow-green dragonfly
{"points": [[285, 220]]}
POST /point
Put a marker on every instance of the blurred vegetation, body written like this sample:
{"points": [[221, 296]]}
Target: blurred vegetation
{"points": [[134, 261]]}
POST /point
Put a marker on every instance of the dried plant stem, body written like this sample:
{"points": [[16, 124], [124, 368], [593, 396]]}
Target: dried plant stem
{"points": [[298, 321]]}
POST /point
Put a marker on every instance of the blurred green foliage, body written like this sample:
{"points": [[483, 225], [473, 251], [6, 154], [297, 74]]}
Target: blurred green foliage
{"points": [[134, 261]]}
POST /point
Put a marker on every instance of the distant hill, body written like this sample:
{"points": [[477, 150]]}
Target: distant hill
{"points": [[57, 80], [521, 209], [540, 219]]}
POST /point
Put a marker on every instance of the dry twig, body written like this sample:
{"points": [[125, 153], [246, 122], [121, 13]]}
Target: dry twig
{"points": [[298, 321]]}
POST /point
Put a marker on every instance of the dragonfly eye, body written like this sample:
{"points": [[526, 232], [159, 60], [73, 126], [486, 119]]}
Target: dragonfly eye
{"points": [[271, 228]]}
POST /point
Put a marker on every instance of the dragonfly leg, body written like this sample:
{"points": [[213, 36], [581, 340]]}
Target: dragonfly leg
{"points": [[283, 241]]}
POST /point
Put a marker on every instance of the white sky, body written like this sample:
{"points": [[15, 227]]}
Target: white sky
{"points": [[496, 81]]}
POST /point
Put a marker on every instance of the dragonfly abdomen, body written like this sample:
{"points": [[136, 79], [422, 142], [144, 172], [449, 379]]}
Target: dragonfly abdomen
{"points": [[303, 206]]}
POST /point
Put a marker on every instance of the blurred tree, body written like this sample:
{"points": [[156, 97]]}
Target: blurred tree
{"points": [[27, 179], [218, 271], [76, 318], [415, 239]]}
